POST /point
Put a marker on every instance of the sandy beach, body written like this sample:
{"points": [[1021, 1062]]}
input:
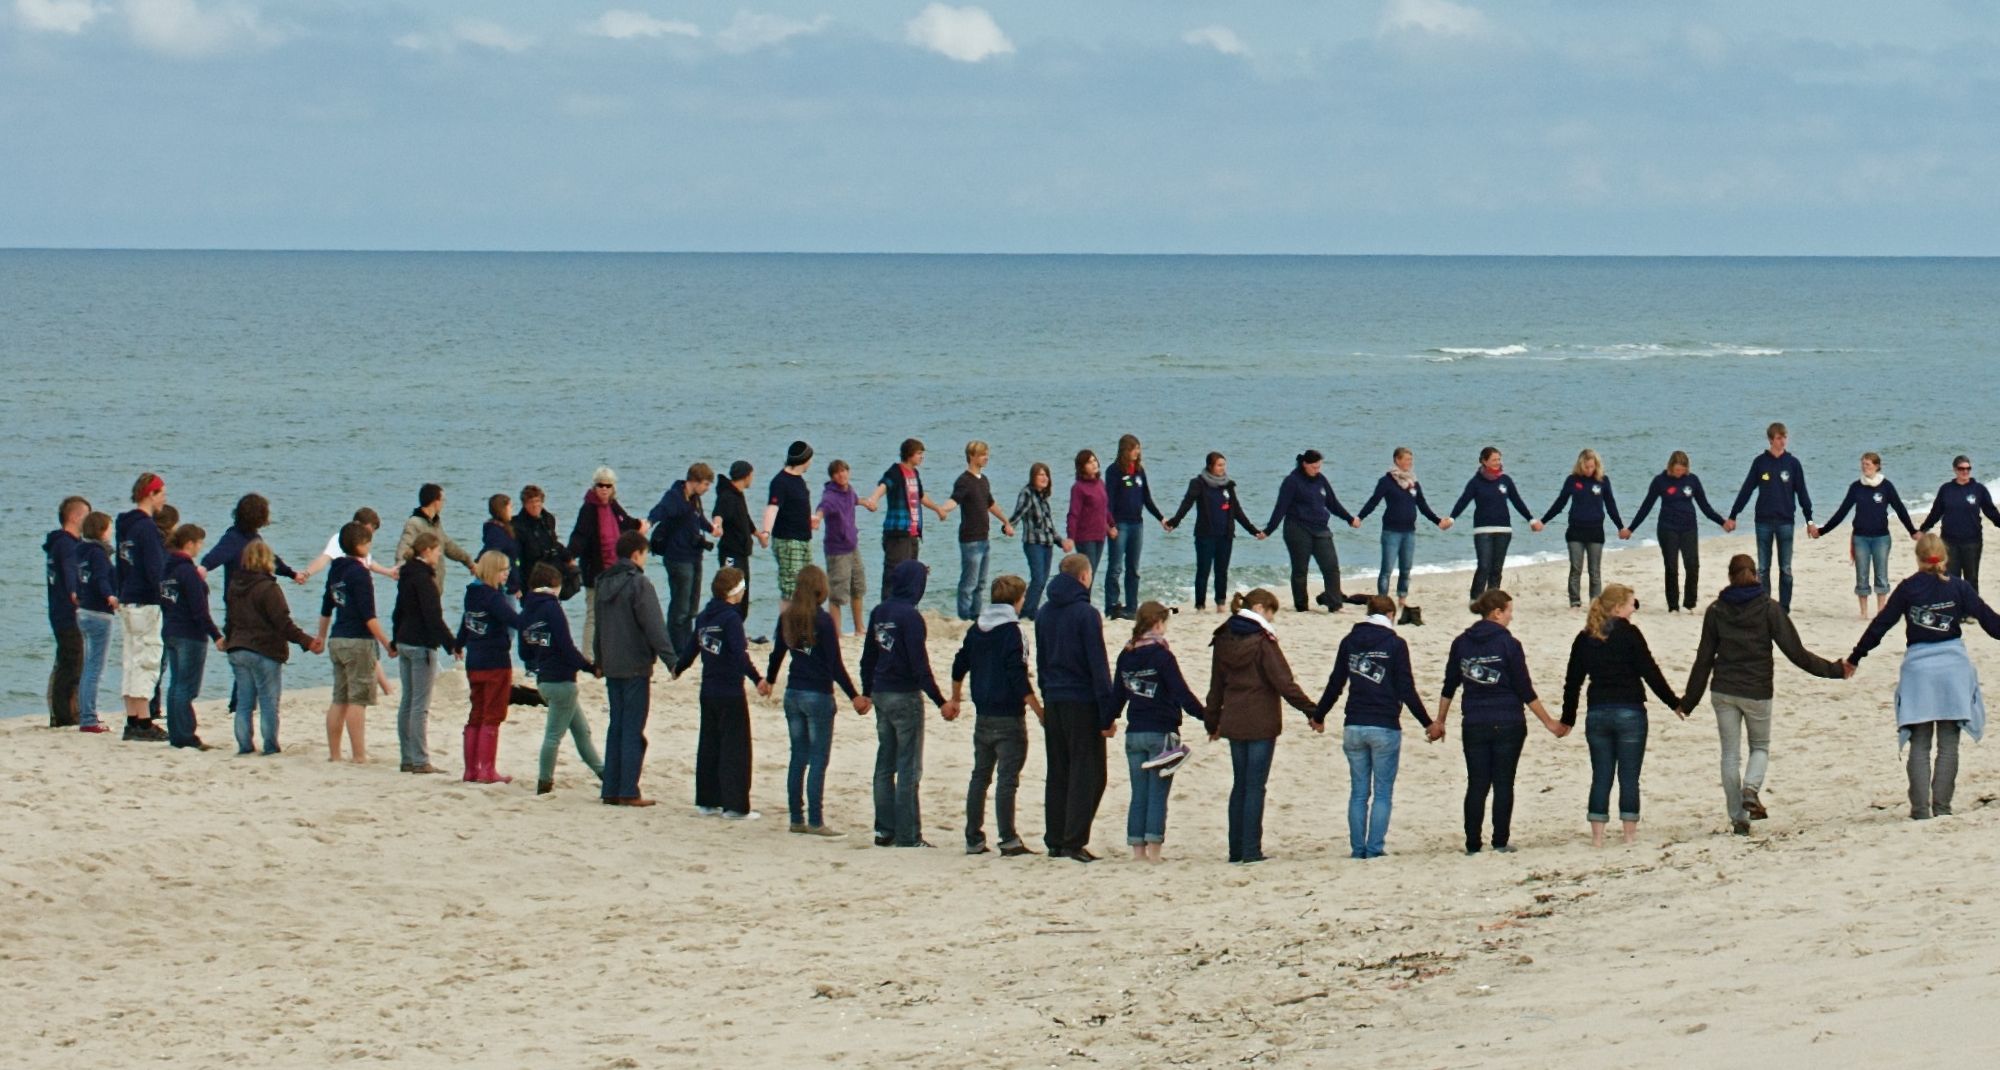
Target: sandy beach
{"points": [[211, 910]]}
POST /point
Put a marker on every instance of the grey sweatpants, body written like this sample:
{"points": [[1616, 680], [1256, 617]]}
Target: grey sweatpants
{"points": [[1579, 552], [1931, 785], [1734, 717]]}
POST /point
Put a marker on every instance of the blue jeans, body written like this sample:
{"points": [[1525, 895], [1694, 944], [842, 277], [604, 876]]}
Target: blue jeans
{"points": [[809, 717], [1124, 560], [899, 766], [972, 578], [1781, 535], [1212, 554], [1039, 556], [417, 666], [1146, 820], [683, 599], [1094, 551], [96, 629], [1871, 551], [1399, 550], [1250, 761], [1617, 738], [631, 700], [259, 684], [185, 659], [1373, 754]]}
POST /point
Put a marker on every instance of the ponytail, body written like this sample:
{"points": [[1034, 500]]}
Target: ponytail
{"points": [[1242, 600], [1150, 616], [1931, 553], [1614, 598]]}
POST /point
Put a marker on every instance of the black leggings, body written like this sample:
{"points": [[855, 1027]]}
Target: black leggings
{"points": [[1492, 752], [1681, 551], [1307, 546]]}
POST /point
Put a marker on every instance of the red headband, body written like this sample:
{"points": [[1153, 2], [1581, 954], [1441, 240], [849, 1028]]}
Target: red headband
{"points": [[153, 486], [1933, 560]]}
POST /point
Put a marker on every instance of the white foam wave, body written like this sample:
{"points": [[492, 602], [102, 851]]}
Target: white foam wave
{"points": [[1608, 351]]}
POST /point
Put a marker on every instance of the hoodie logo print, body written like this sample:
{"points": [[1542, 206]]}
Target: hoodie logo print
{"points": [[1596, 489], [537, 634], [125, 551], [1878, 497], [711, 641], [1372, 666], [1936, 617], [885, 636], [1784, 477], [1141, 683], [1483, 670], [475, 624], [338, 592]]}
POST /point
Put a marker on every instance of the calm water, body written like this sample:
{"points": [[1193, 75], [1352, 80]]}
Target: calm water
{"points": [[333, 380]]}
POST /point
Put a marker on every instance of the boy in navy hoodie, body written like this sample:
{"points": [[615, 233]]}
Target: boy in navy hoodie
{"points": [[1076, 689], [895, 676], [1376, 661], [142, 563], [350, 634], [96, 609], [722, 750], [186, 627], [1779, 482], [61, 549], [551, 655], [996, 657]]}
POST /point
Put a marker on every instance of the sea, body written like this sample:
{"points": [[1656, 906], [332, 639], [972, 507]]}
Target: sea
{"points": [[332, 380]]}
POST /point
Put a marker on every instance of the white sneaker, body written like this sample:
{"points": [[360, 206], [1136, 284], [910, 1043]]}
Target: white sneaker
{"points": [[709, 811], [731, 815]]}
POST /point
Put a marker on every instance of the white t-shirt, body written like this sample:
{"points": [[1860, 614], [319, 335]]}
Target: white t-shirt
{"points": [[333, 550]]}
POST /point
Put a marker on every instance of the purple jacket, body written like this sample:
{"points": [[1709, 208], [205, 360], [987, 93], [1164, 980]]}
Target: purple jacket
{"points": [[837, 505], [1089, 511]]}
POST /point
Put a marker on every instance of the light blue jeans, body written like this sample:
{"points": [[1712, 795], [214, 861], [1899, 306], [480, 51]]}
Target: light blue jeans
{"points": [[418, 667], [258, 685], [96, 629], [1871, 551], [1399, 550], [1373, 754], [972, 578], [1124, 553], [1146, 820]]}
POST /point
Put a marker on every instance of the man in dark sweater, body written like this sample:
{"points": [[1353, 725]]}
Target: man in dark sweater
{"points": [[996, 658], [1779, 482], [1076, 690], [739, 531], [680, 537]]}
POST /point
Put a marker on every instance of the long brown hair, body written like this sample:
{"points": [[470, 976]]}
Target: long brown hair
{"points": [[1252, 599], [494, 505], [1151, 615], [801, 616], [1128, 447], [1040, 469]]}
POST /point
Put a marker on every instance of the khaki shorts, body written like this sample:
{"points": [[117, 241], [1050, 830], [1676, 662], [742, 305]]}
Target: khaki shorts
{"points": [[846, 578], [353, 671], [143, 650]]}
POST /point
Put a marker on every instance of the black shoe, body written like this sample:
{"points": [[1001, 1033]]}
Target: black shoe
{"points": [[760, 640], [1079, 855], [1355, 599], [1251, 860], [1058, 852], [919, 843], [145, 732], [1016, 851], [196, 745], [885, 841]]}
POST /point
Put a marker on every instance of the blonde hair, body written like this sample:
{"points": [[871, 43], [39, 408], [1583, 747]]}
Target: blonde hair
{"points": [[257, 557], [1678, 458], [1252, 599], [976, 448], [492, 568], [1614, 598], [1931, 553], [1589, 457]]}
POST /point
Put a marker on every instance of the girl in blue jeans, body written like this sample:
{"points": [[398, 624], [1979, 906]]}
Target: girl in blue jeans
{"points": [[1375, 662], [806, 631], [1148, 687], [1612, 655], [1871, 497]]}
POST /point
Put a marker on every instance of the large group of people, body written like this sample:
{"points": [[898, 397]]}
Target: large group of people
{"points": [[146, 571]]}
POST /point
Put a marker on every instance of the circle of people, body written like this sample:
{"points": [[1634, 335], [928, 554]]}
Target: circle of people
{"points": [[148, 572]]}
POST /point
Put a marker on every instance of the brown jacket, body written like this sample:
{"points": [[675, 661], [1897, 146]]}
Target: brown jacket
{"points": [[1248, 678], [258, 618]]}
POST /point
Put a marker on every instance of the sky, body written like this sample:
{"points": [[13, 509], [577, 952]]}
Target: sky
{"points": [[1831, 127]]}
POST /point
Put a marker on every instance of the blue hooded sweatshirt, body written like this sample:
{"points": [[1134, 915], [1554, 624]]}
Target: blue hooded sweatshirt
{"points": [[1678, 499], [816, 666], [996, 657], [1489, 662], [227, 553], [725, 653], [184, 602], [1871, 507], [1376, 661], [546, 647], [1932, 608], [1776, 481], [349, 599], [65, 585], [1399, 506], [1589, 501], [96, 586], [142, 559], [1307, 501], [482, 632], [1149, 680], [1489, 499], [680, 529], [1069, 649], [894, 658], [1960, 508]]}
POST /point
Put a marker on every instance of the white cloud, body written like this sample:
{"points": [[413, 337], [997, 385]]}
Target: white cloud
{"points": [[966, 34], [56, 16], [620, 24], [749, 31], [1440, 17], [477, 32], [1221, 38], [188, 30]]}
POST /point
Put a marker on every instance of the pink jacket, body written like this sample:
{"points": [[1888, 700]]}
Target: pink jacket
{"points": [[1089, 511]]}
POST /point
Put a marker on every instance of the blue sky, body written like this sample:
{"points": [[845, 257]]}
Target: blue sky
{"points": [[1416, 126]]}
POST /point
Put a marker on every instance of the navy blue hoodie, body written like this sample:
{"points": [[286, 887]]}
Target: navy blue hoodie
{"points": [[1932, 609], [1149, 680], [349, 599], [894, 658], [482, 632], [1069, 649], [816, 667], [1489, 662], [95, 584], [1399, 506], [1216, 508], [184, 610], [680, 531], [1776, 481], [1377, 662], [1128, 493], [1871, 507], [546, 647], [227, 553], [725, 653], [1489, 499], [1677, 498], [142, 559], [65, 586], [1960, 508], [1589, 500], [1307, 501], [997, 658]]}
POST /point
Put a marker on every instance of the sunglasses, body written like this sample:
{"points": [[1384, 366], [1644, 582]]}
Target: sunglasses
{"points": [[607, 486], [1962, 468]]}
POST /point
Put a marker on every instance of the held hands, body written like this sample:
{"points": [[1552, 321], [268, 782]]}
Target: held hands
{"points": [[1110, 732], [1166, 527], [299, 578], [1624, 533], [1435, 732], [764, 689], [1812, 531], [764, 539], [1847, 669], [1729, 525], [1318, 726], [1007, 530], [1534, 525], [1069, 547], [949, 711], [1262, 535], [1354, 523], [862, 704], [1445, 524]]}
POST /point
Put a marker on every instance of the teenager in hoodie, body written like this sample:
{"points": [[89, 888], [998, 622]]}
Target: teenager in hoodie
{"points": [[252, 514], [1491, 492], [1218, 512], [680, 538], [601, 524], [1129, 498], [738, 534], [1737, 634], [489, 664], [1088, 525], [1871, 497], [1075, 678], [96, 609], [1611, 654], [187, 629], [996, 658], [497, 536], [1247, 678], [1679, 493], [1402, 498], [421, 639], [142, 563], [896, 676], [350, 634], [1937, 695], [1375, 662], [1489, 662], [551, 655], [632, 638], [257, 637], [1586, 491], [1305, 502], [722, 749], [1779, 482], [846, 577], [60, 550], [1150, 690], [811, 636], [1961, 504]]}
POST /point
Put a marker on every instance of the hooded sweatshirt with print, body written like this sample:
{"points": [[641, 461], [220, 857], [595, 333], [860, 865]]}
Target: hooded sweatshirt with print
{"points": [[996, 657], [1069, 649], [894, 658]]}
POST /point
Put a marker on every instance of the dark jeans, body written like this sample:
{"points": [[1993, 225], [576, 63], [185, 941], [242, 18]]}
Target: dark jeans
{"points": [[1681, 550], [1489, 554], [1251, 762], [631, 700], [683, 600], [1961, 561], [809, 718], [722, 754], [1775, 537], [1492, 753], [740, 564], [1039, 556], [66, 678], [185, 660], [897, 549], [1212, 554], [1124, 552], [899, 766], [1306, 547], [1002, 743], [1075, 749], [1617, 738]]}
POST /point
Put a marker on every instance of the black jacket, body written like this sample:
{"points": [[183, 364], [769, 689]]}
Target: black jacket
{"points": [[583, 540], [1214, 510], [418, 619], [1615, 666]]}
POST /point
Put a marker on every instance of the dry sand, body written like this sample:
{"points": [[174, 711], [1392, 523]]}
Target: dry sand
{"points": [[209, 910]]}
